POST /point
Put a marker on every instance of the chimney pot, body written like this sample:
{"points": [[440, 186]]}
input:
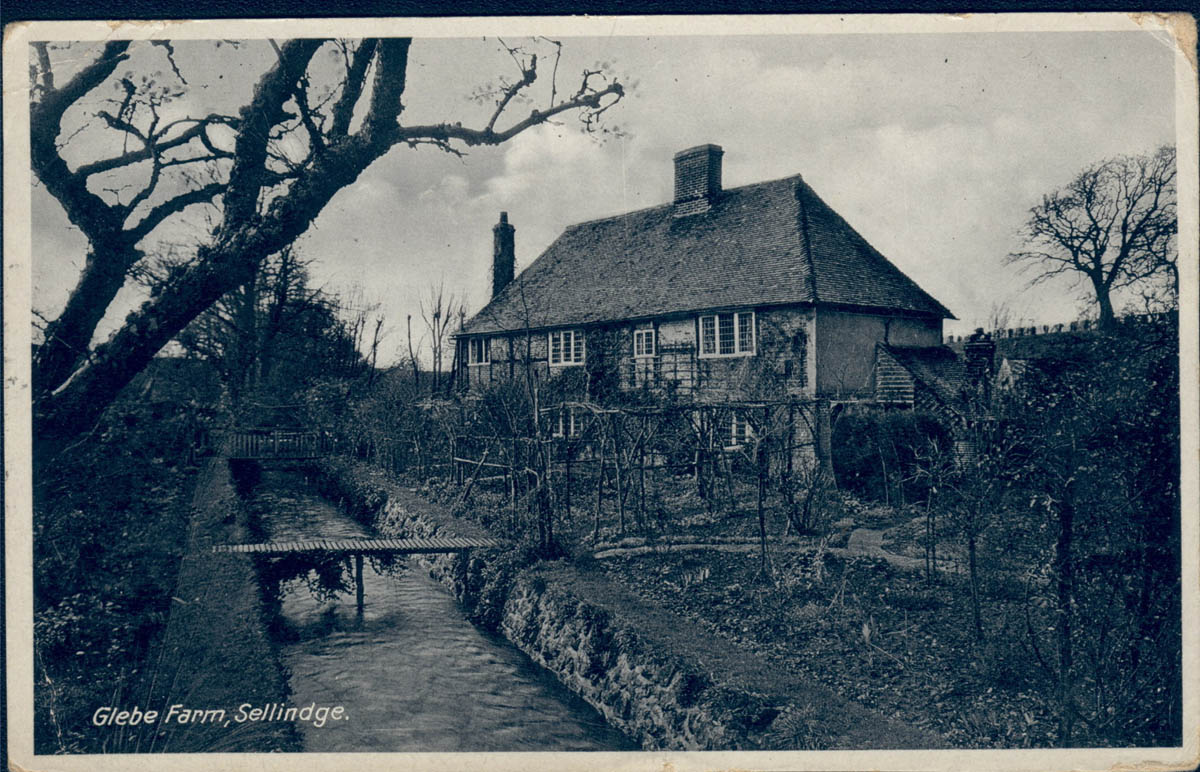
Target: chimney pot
{"points": [[980, 352]]}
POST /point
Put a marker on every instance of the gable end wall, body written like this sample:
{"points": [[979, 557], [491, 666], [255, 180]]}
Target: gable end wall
{"points": [[845, 351]]}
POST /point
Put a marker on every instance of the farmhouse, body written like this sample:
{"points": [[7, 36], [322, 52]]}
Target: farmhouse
{"points": [[722, 295]]}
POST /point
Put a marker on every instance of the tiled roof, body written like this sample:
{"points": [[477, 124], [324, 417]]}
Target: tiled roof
{"points": [[937, 368], [771, 243]]}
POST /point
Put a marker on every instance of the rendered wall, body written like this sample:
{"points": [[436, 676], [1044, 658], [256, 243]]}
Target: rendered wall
{"points": [[845, 350]]}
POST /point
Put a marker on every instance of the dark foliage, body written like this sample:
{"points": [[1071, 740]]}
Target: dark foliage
{"points": [[109, 526], [1098, 463], [875, 452]]}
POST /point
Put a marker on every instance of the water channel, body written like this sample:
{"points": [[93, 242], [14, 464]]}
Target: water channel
{"points": [[413, 674]]}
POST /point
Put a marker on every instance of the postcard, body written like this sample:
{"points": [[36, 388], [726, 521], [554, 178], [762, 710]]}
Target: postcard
{"points": [[647, 393]]}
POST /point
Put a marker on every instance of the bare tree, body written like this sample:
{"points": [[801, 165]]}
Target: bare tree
{"points": [[274, 335], [412, 357], [240, 333], [269, 170], [1114, 225], [365, 325], [439, 311]]}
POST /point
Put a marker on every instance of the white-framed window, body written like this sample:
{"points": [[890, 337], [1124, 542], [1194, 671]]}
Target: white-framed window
{"points": [[643, 342], [566, 347], [740, 431], [569, 425], [478, 351], [727, 335]]}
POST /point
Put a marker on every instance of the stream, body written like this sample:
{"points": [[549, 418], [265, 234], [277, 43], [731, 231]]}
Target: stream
{"points": [[412, 673]]}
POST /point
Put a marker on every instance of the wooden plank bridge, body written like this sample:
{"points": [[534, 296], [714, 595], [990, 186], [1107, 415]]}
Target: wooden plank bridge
{"points": [[332, 547], [357, 548]]}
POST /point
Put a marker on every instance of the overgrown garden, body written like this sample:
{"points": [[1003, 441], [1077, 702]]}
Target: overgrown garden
{"points": [[1023, 594]]}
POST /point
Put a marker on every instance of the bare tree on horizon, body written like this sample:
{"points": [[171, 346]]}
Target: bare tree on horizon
{"points": [[1113, 225]]}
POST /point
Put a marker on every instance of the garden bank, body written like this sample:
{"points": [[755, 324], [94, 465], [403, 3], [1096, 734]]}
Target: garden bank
{"points": [[216, 652], [653, 674]]}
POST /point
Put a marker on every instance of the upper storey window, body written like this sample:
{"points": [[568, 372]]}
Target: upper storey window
{"points": [[727, 335], [643, 342], [567, 347]]}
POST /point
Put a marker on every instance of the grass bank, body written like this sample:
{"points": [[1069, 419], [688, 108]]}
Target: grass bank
{"points": [[216, 653]]}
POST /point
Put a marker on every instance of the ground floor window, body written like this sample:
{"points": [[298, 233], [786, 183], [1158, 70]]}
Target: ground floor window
{"points": [[477, 351], [740, 431], [569, 424]]}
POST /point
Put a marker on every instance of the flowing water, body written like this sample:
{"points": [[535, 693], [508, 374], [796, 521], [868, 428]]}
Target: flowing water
{"points": [[412, 673]]}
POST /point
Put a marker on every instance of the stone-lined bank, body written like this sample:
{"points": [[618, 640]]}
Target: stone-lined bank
{"points": [[652, 674]]}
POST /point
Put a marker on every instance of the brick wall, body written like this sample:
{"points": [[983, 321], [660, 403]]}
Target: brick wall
{"points": [[697, 179]]}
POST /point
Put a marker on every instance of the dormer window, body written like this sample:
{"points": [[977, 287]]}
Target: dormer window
{"points": [[727, 335], [478, 351], [566, 348], [643, 342]]}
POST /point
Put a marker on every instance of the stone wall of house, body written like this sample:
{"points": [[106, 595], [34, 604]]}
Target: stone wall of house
{"points": [[508, 356], [780, 368], [845, 351]]}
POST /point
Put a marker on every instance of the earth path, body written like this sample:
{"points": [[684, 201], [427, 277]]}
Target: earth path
{"points": [[866, 542]]}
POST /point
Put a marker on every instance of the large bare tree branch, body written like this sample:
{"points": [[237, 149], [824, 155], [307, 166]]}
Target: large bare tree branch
{"points": [[86, 211], [343, 110], [264, 110], [593, 100], [112, 248], [264, 208], [159, 146], [172, 206]]}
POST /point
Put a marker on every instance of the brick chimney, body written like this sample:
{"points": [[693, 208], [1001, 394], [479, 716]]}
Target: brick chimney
{"points": [[697, 179], [980, 353], [504, 257]]}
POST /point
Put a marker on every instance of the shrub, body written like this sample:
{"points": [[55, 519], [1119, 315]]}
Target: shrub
{"points": [[875, 452], [498, 572]]}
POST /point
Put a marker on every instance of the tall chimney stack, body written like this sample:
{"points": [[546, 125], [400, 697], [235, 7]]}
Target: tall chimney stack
{"points": [[697, 179], [980, 354], [504, 257]]}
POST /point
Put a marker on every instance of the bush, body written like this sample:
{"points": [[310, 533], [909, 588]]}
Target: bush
{"points": [[875, 452], [109, 525], [489, 589]]}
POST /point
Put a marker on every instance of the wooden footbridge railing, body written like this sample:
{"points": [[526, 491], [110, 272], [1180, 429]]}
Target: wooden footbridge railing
{"points": [[357, 548], [278, 444]]}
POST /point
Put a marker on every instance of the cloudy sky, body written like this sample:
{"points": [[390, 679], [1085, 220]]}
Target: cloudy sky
{"points": [[933, 146]]}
